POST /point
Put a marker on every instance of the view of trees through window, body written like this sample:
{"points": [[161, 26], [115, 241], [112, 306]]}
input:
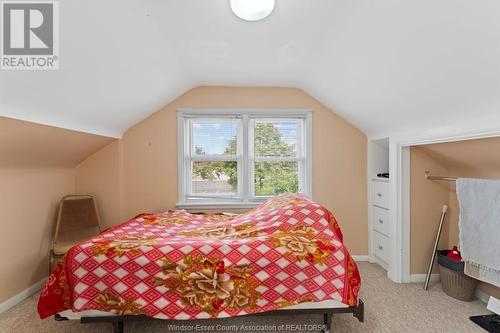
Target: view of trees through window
{"points": [[270, 177]]}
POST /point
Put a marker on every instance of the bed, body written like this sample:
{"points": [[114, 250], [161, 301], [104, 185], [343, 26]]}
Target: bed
{"points": [[287, 255]]}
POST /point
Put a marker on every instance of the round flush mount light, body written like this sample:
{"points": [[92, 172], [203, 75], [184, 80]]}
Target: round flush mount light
{"points": [[252, 10]]}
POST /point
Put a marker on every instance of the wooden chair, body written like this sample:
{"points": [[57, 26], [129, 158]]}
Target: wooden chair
{"points": [[77, 220]]}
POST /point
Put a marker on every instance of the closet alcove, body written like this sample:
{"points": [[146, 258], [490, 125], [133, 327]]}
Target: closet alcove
{"points": [[478, 158]]}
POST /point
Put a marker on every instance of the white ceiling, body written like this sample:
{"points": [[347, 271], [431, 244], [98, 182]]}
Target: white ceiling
{"points": [[388, 66]]}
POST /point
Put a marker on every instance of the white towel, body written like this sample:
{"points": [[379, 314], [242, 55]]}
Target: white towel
{"points": [[479, 226]]}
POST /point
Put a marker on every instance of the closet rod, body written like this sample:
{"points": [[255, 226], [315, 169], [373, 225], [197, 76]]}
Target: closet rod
{"points": [[448, 179]]}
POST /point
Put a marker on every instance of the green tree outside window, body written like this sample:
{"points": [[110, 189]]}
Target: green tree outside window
{"points": [[270, 178]]}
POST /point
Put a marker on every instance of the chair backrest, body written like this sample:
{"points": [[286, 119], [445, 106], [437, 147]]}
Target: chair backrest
{"points": [[77, 213]]}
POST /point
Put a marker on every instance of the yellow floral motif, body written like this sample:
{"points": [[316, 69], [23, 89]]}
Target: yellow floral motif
{"points": [[241, 296], [285, 302], [212, 282], [284, 200], [226, 231], [354, 279], [122, 245], [220, 217], [301, 243], [109, 302], [165, 219], [243, 270], [207, 283], [212, 231], [247, 230]]}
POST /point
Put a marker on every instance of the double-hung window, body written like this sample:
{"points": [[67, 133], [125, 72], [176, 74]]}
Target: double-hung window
{"points": [[242, 157]]}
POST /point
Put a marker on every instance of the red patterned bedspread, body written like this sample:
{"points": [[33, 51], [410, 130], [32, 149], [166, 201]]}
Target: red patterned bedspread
{"points": [[178, 265]]}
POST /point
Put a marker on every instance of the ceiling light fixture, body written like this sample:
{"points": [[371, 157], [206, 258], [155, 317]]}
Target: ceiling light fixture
{"points": [[252, 10]]}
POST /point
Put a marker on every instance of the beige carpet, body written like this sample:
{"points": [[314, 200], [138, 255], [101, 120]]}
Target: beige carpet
{"points": [[389, 307]]}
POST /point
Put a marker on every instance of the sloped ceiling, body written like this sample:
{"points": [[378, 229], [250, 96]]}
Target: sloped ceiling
{"points": [[474, 155], [29, 145], [387, 66]]}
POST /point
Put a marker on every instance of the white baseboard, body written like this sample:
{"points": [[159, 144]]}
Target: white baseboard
{"points": [[420, 278], [482, 296], [16, 299], [361, 258], [494, 305]]}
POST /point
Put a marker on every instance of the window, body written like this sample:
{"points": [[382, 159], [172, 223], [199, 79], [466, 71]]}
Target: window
{"points": [[240, 158]]}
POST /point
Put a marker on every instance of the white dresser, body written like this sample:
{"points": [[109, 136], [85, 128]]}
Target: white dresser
{"points": [[380, 228]]}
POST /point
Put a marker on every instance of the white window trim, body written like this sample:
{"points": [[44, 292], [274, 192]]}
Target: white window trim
{"points": [[245, 115]]}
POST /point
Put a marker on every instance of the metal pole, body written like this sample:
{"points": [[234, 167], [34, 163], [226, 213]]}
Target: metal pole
{"points": [[436, 243]]}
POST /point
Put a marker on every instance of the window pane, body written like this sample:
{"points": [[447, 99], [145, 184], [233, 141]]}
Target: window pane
{"points": [[215, 177], [272, 178], [214, 137], [275, 138]]}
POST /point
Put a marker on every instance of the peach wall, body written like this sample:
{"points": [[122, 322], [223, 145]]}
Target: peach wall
{"points": [[28, 201], [471, 158], [100, 175], [426, 202], [339, 155], [37, 168]]}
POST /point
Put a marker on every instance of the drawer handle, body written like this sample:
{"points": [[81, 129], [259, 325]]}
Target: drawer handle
{"points": [[380, 247], [380, 221], [379, 194]]}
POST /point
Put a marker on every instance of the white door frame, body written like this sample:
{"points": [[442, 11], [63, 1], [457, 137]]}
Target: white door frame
{"points": [[399, 160]]}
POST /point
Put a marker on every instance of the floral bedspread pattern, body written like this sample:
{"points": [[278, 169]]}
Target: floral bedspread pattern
{"points": [[178, 265]]}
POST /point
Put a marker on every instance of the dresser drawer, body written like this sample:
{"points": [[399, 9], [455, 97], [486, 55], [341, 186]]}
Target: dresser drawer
{"points": [[380, 220], [380, 194], [381, 246]]}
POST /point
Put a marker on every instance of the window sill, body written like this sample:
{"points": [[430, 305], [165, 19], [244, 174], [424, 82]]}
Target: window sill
{"points": [[190, 206]]}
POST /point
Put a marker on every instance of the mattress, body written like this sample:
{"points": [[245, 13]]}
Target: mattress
{"points": [[175, 265]]}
